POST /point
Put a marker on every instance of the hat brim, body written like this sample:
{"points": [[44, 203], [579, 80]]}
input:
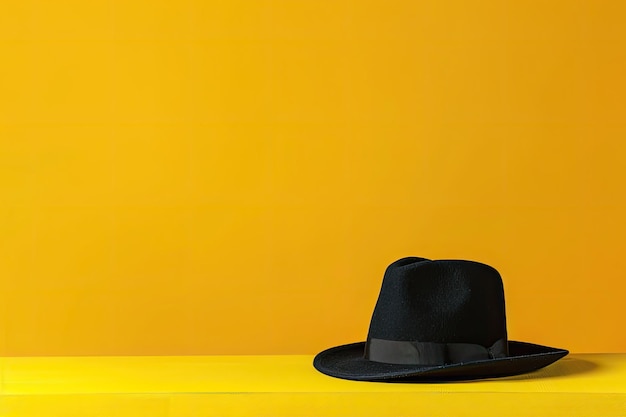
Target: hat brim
{"points": [[348, 362]]}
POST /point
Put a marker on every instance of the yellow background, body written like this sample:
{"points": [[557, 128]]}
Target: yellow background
{"points": [[209, 177]]}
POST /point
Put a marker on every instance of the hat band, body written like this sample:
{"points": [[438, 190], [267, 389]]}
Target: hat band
{"points": [[431, 353]]}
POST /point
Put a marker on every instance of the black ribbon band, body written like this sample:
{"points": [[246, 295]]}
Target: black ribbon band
{"points": [[428, 353]]}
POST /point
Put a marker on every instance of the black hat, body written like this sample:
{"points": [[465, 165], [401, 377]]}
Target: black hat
{"points": [[437, 320]]}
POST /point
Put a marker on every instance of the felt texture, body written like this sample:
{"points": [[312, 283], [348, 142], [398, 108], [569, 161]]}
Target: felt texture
{"points": [[455, 302]]}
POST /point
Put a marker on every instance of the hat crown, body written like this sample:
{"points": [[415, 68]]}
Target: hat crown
{"points": [[444, 301]]}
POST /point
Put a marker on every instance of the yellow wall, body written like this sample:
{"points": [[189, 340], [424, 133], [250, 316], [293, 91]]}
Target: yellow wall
{"points": [[186, 177]]}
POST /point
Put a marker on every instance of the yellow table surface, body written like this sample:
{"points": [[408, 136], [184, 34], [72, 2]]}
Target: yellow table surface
{"points": [[578, 385]]}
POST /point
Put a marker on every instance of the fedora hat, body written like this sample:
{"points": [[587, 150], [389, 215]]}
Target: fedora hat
{"points": [[437, 320]]}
